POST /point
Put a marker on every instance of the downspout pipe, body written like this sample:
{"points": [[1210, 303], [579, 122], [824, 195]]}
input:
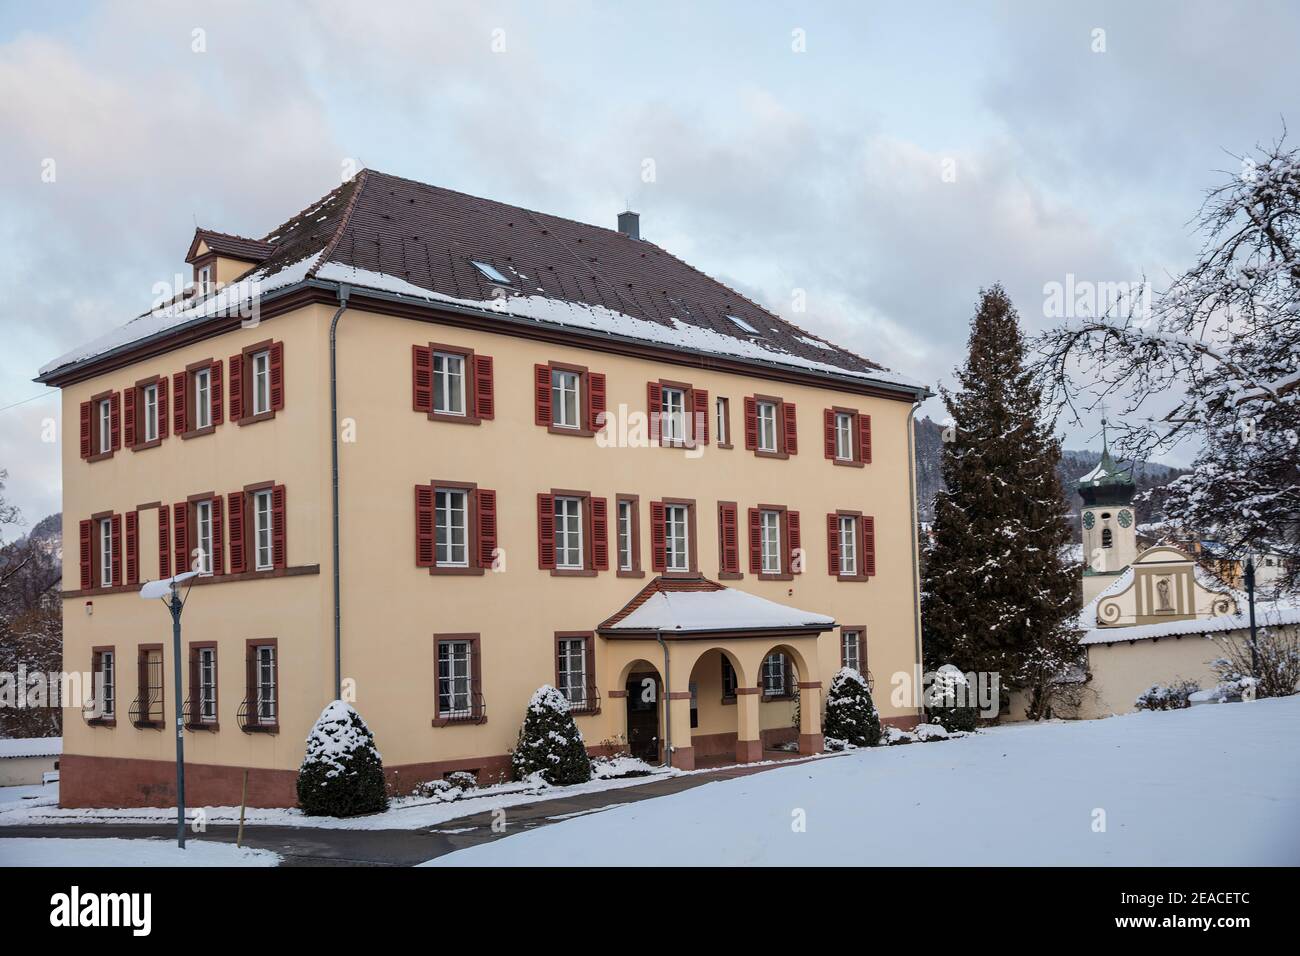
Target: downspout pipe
{"points": [[668, 709], [916, 531], [344, 291]]}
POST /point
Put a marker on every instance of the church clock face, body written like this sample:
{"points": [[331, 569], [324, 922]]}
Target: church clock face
{"points": [[1089, 519], [1125, 518]]}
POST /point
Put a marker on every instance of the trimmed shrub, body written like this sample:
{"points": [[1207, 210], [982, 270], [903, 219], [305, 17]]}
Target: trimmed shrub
{"points": [[851, 717], [342, 774], [549, 742], [947, 701], [1174, 697]]}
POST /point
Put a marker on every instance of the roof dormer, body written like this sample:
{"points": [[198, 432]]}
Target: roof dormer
{"points": [[219, 258]]}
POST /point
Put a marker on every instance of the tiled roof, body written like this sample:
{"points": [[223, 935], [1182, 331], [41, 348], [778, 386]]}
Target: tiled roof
{"points": [[660, 586]]}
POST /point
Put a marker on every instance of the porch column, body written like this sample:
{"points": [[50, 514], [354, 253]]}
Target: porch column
{"points": [[749, 743], [810, 717], [679, 707]]}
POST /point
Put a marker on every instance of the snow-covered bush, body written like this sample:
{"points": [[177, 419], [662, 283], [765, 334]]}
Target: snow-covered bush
{"points": [[549, 742], [948, 701], [1177, 696], [342, 774], [851, 717], [1276, 662], [928, 732]]}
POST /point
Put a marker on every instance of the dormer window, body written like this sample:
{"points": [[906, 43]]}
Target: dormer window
{"points": [[489, 272]]}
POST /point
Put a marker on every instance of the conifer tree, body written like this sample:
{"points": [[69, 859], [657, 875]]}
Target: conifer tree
{"points": [[550, 743], [342, 774], [851, 716], [998, 593]]}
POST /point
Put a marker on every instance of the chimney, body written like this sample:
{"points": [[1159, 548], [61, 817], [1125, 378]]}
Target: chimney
{"points": [[629, 224]]}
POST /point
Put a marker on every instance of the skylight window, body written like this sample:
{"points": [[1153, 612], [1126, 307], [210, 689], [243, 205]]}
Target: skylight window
{"points": [[489, 272], [744, 325]]}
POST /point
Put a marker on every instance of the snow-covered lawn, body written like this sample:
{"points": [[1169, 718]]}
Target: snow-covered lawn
{"points": [[29, 795], [1213, 785], [22, 851]]}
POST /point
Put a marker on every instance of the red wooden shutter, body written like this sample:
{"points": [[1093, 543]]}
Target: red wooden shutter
{"points": [[181, 536], [421, 378], [164, 542], [163, 421], [542, 395], [115, 528], [132, 547], [178, 403], [790, 431], [475, 680], [828, 432], [85, 430], [599, 534], [796, 541], [128, 414], [868, 545], [279, 533], [86, 532], [654, 408], [546, 531], [216, 398], [218, 537], [423, 526], [658, 537], [864, 439], [833, 544], [115, 420], [751, 424], [484, 404], [728, 535], [236, 387], [487, 527], [701, 430], [277, 376], [755, 541], [238, 548], [595, 400]]}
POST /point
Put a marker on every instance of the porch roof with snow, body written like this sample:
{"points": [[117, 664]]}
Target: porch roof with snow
{"points": [[680, 607], [402, 245]]}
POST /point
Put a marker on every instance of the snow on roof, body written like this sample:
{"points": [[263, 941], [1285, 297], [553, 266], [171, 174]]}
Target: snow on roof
{"points": [[1276, 615], [31, 747], [721, 610]]}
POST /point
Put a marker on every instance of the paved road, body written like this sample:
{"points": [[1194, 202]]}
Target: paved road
{"points": [[314, 846]]}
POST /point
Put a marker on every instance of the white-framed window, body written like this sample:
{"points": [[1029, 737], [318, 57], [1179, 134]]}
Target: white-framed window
{"points": [[202, 398], [106, 692], [455, 679], [263, 557], [721, 426], [205, 280], [267, 680], [566, 387], [672, 418], [261, 384], [572, 670], [774, 675], [207, 689], [844, 436], [851, 649], [676, 542], [105, 426], [149, 400], [568, 533], [848, 544], [767, 426], [203, 537], [770, 539], [625, 518], [448, 383], [106, 552], [451, 527]]}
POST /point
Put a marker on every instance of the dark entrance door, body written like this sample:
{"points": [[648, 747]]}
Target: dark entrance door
{"points": [[643, 716]]}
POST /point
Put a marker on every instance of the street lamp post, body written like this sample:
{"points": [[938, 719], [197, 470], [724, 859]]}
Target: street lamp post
{"points": [[170, 593], [1250, 600]]}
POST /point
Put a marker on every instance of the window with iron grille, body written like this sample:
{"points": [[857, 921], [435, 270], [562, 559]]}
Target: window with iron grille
{"points": [[455, 677], [729, 681], [267, 683], [106, 689], [851, 649], [207, 688], [774, 675], [572, 670]]}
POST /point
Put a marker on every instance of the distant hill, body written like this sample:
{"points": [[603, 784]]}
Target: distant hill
{"points": [[1074, 465]]}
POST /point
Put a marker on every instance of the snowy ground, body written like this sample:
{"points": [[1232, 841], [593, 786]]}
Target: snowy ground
{"points": [[1214, 785], [31, 795], [93, 852]]}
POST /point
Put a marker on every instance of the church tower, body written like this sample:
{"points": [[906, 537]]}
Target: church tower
{"points": [[1109, 523]]}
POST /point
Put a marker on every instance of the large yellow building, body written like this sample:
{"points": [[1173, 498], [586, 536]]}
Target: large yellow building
{"points": [[430, 452]]}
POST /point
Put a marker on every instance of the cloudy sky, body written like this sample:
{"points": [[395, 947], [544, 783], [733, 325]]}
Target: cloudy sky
{"points": [[889, 163]]}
